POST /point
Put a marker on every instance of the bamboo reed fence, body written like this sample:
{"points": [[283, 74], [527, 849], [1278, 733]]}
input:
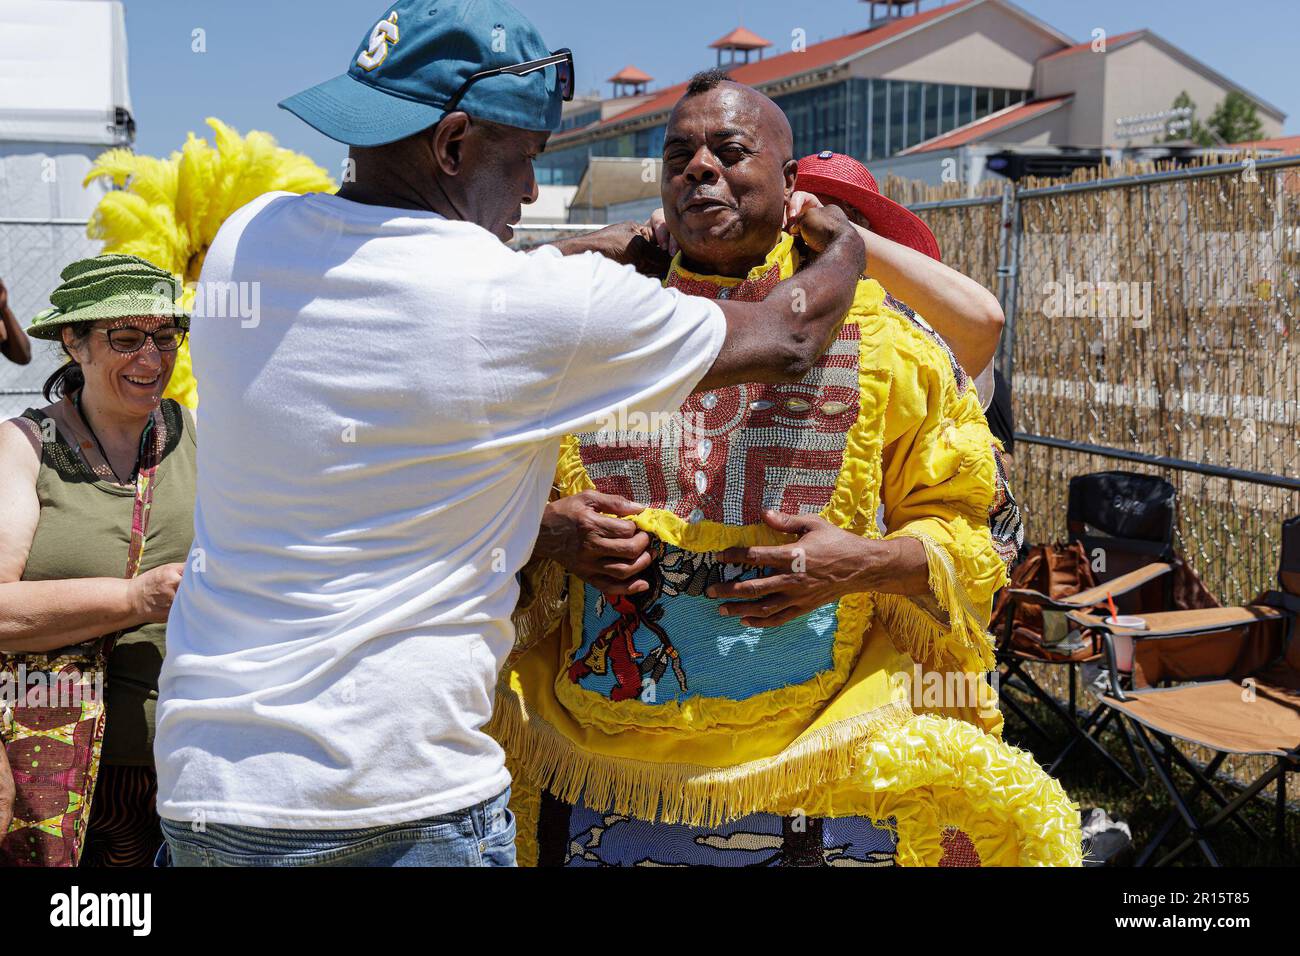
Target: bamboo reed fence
{"points": [[1156, 316], [1153, 311]]}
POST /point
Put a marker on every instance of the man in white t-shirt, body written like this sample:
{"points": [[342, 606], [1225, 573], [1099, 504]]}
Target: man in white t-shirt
{"points": [[380, 440]]}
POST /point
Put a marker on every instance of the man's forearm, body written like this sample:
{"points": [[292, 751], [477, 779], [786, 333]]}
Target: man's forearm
{"points": [[962, 311], [577, 245], [894, 566], [628, 243], [819, 293], [781, 338]]}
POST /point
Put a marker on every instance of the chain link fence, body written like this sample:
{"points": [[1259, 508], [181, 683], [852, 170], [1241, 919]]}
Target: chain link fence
{"points": [[32, 254], [1151, 321]]}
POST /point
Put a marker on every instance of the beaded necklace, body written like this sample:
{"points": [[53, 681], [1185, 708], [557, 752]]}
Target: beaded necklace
{"points": [[139, 453]]}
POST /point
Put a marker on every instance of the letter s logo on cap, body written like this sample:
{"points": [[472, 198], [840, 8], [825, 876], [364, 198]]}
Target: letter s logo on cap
{"points": [[384, 33]]}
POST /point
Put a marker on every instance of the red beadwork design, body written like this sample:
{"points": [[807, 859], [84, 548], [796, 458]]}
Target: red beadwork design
{"points": [[768, 446], [958, 850]]}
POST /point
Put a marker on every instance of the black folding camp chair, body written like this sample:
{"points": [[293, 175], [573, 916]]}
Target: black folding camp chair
{"points": [[1125, 523], [1259, 716]]}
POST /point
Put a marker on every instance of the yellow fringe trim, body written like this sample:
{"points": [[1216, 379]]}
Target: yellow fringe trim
{"points": [[783, 254], [678, 792], [541, 604], [964, 642], [915, 775]]}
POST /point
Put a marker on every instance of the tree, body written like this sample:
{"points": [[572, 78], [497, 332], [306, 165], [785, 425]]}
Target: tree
{"points": [[1235, 120], [1195, 131]]}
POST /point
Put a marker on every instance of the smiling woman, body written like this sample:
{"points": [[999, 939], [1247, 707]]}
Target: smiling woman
{"points": [[95, 522]]}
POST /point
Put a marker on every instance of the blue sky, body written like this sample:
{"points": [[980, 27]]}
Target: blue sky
{"points": [[259, 51]]}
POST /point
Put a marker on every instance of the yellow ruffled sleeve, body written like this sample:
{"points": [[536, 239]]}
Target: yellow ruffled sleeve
{"points": [[940, 479]]}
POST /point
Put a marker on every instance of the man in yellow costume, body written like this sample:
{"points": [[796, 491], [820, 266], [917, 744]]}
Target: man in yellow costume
{"points": [[783, 661]]}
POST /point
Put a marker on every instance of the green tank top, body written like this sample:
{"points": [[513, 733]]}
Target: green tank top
{"points": [[84, 531]]}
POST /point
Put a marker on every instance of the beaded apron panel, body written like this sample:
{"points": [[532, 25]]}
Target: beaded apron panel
{"points": [[670, 643]]}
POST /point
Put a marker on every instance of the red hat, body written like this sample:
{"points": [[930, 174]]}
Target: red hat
{"points": [[831, 175]]}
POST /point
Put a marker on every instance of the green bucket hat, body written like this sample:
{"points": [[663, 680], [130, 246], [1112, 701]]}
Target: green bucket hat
{"points": [[110, 287]]}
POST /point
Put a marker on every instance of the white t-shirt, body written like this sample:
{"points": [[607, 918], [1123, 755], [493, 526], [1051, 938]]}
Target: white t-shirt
{"points": [[379, 441]]}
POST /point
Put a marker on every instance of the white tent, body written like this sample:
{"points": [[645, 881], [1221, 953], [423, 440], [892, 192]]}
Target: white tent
{"points": [[63, 101]]}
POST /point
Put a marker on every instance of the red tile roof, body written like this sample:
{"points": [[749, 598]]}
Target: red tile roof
{"points": [[781, 66], [630, 74], [989, 124], [1287, 144], [1112, 43], [742, 39]]}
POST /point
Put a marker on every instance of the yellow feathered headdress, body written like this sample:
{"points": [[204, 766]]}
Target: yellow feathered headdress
{"points": [[169, 210]]}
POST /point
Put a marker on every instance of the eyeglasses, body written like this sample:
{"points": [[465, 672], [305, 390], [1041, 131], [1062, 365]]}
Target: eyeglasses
{"points": [[130, 339], [561, 59]]}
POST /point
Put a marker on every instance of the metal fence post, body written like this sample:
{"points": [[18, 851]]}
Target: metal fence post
{"points": [[1008, 277]]}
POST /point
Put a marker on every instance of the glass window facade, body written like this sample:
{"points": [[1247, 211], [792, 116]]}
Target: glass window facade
{"points": [[965, 105], [879, 119], [933, 98], [897, 117], [865, 118], [574, 120], [564, 167]]}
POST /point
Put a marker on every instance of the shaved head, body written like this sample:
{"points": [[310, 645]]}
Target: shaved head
{"points": [[769, 112], [728, 170]]}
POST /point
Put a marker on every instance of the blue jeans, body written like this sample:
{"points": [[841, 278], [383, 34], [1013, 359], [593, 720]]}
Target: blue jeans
{"points": [[481, 835]]}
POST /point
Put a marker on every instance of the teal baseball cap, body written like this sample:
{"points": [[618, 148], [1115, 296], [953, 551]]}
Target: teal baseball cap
{"points": [[426, 58]]}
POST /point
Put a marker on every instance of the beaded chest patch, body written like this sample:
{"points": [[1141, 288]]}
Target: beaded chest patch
{"points": [[732, 452]]}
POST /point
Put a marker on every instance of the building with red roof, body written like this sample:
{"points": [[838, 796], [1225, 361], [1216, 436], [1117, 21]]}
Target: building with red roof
{"points": [[923, 83], [739, 43], [1281, 146], [630, 81]]}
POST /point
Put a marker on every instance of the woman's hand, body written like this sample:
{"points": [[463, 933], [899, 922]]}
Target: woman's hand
{"points": [[797, 203], [824, 565], [657, 225], [152, 593], [607, 552]]}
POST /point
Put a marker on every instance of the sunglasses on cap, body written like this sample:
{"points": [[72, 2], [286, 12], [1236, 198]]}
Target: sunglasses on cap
{"points": [[561, 59]]}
